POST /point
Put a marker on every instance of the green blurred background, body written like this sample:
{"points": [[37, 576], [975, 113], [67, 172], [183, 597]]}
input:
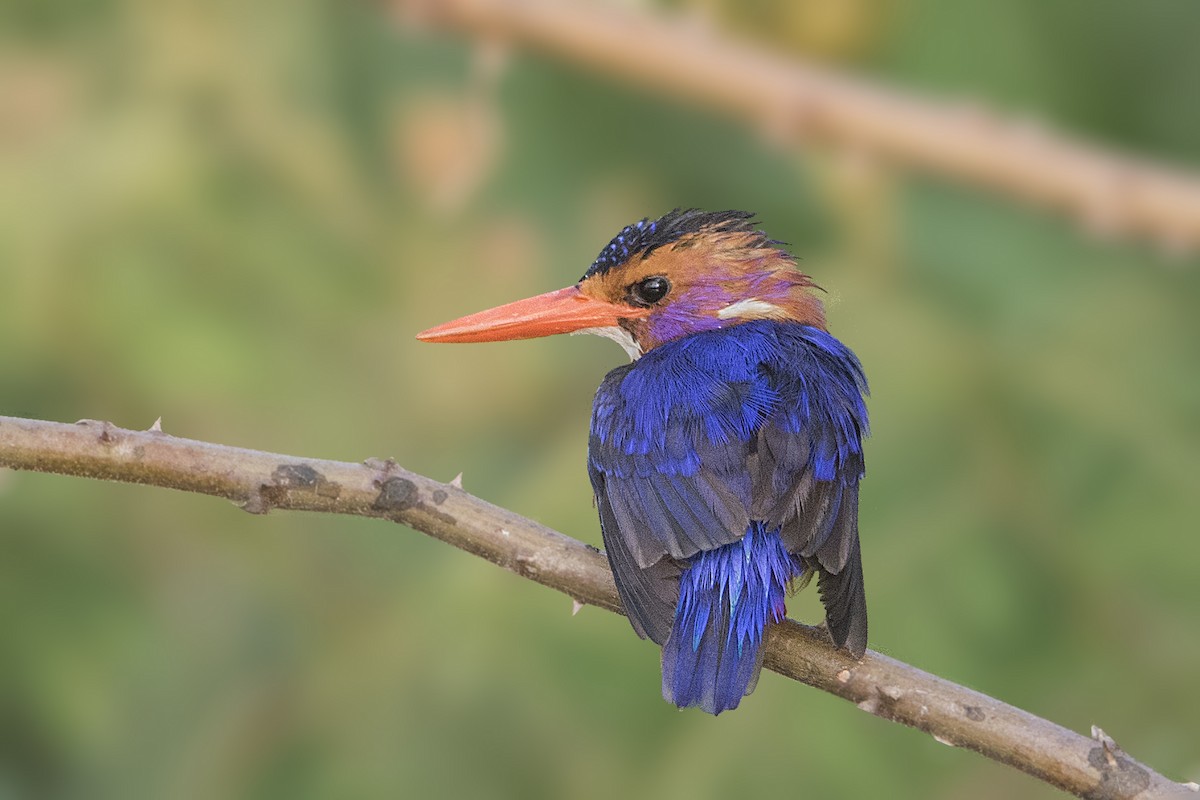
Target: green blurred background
{"points": [[236, 215]]}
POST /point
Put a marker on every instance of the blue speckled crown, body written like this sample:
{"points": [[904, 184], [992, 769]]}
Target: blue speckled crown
{"points": [[644, 237]]}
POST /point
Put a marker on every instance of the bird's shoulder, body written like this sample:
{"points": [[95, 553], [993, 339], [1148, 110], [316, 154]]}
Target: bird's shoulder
{"points": [[730, 382]]}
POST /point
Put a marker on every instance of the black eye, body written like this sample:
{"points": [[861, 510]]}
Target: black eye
{"points": [[649, 291]]}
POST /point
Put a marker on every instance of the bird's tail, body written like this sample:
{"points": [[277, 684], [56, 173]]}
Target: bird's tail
{"points": [[727, 597]]}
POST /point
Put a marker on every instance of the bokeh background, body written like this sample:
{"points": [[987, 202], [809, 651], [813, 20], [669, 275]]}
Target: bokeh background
{"points": [[236, 215]]}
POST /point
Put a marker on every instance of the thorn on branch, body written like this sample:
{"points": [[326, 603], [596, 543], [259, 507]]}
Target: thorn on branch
{"points": [[1106, 741]]}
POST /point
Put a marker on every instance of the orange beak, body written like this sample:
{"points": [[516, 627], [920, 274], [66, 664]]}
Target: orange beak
{"points": [[561, 311]]}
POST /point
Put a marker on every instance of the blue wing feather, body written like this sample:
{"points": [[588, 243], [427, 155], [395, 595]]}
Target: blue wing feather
{"points": [[704, 436]]}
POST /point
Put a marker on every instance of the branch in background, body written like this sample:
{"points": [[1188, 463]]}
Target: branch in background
{"points": [[1109, 193], [1089, 767]]}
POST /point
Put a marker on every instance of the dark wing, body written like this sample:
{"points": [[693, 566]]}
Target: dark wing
{"points": [[806, 469], [649, 594], [664, 488], [817, 520]]}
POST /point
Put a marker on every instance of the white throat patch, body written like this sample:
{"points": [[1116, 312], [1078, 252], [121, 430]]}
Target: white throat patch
{"points": [[618, 335]]}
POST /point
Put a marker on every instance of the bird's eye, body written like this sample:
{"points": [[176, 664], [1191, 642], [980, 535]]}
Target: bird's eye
{"points": [[649, 291]]}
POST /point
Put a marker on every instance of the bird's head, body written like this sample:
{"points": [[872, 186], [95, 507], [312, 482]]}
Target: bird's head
{"points": [[686, 272]]}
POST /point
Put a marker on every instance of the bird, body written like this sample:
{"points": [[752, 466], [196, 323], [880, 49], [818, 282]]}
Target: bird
{"points": [[726, 457]]}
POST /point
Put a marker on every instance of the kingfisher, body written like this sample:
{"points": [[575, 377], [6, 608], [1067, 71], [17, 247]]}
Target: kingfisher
{"points": [[726, 457]]}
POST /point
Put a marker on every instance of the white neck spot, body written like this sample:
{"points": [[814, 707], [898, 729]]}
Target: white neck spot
{"points": [[618, 335], [751, 308]]}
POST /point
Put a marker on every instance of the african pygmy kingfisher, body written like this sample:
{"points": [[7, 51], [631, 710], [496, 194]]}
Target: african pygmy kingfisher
{"points": [[726, 458]]}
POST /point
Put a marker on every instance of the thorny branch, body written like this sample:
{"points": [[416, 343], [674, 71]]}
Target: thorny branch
{"points": [[1093, 767], [797, 102]]}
